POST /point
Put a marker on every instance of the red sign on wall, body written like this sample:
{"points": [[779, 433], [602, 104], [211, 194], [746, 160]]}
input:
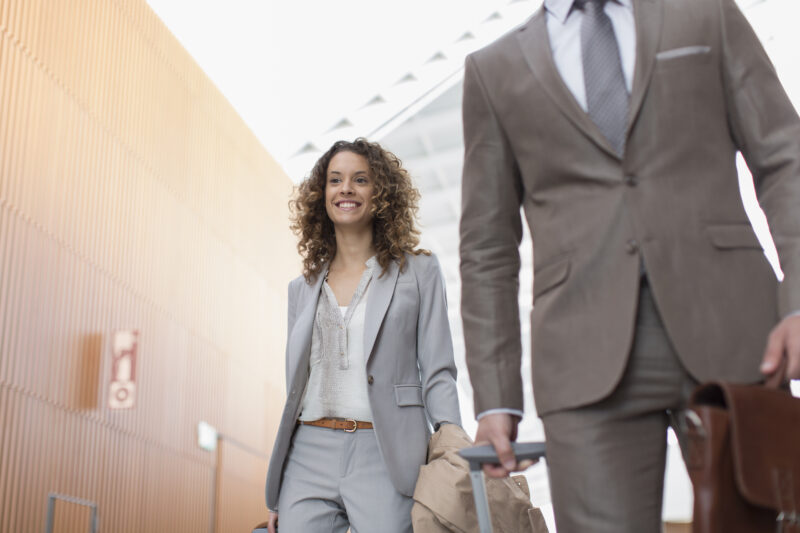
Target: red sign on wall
{"points": [[122, 389]]}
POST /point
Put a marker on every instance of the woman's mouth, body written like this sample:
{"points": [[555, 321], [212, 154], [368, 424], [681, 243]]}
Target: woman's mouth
{"points": [[347, 205]]}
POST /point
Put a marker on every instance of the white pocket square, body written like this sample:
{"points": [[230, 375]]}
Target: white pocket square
{"points": [[683, 51]]}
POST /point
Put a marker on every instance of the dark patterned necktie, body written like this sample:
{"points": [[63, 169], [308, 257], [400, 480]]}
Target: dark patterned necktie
{"points": [[606, 93]]}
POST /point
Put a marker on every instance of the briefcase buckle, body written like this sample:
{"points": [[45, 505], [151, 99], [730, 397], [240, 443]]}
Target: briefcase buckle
{"points": [[786, 518]]}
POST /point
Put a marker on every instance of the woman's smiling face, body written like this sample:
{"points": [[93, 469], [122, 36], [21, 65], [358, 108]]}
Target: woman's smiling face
{"points": [[348, 190]]}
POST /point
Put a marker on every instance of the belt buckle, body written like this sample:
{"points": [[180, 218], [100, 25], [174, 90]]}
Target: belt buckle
{"points": [[355, 425]]}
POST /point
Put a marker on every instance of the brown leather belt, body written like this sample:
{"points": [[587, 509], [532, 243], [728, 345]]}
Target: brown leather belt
{"points": [[345, 424]]}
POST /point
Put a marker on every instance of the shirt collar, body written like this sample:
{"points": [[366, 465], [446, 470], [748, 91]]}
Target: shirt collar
{"points": [[560, 9]]}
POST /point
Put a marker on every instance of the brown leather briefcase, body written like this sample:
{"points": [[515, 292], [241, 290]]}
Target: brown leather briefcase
{"points": [[743, 459]]}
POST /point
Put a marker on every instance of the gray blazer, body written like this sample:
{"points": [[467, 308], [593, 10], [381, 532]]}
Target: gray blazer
{"points": [[410, 368]]}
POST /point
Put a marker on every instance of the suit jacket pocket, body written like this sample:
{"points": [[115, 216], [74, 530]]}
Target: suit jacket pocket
{"points": [[729, 236], [682, 52], [688, 58], [550, 276], [408, 395]]}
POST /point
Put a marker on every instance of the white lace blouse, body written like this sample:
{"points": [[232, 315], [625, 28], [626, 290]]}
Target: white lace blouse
{"points": [[337, 382]]}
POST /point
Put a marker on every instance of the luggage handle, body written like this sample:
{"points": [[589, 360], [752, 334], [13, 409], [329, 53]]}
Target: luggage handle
{"points": [[477, 456]]}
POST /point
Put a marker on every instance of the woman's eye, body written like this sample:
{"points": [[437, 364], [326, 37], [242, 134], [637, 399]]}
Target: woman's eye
{"points": [[361, 180]]}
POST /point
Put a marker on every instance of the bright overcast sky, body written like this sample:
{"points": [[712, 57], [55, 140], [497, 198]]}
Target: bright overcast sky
{"points": [[293, 68]]}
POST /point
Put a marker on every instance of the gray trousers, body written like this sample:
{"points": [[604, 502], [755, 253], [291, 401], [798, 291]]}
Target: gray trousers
{"points": [[606, 460], [334, 480]]}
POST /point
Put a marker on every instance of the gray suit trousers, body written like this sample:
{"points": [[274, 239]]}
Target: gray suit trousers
{"points": [[334, 480], [606, 460]]}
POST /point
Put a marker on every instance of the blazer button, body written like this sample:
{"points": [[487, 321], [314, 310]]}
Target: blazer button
{"points": [[370, 379], [632, 247], [630, 180]]}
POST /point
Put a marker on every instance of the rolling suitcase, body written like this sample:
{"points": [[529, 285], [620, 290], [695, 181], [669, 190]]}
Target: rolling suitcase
{"points": [[477, 456]]}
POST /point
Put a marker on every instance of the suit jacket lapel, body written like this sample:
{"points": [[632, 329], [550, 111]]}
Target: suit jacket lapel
{"points": [[648, 17], [535, 43], [300, 340], [380, 295]]}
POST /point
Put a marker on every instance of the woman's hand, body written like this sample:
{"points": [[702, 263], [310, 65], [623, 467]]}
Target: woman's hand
{"points": [[272, 522]]}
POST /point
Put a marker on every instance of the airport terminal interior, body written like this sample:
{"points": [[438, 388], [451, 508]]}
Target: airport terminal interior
{"points": [[148, 150]]}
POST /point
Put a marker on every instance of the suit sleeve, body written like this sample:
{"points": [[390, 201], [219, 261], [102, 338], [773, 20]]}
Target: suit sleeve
{"points": [[766, 129], [491, 231], [435, 347]]}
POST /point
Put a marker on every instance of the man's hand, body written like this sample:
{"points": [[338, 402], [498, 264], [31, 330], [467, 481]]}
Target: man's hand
{"points": [[783, 341], [499, 430], [272, 522]]}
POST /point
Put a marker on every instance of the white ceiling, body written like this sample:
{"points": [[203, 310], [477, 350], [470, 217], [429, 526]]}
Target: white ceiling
{"points": [[294, 69]]}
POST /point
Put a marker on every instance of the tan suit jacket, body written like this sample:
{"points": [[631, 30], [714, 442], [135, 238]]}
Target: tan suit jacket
{"points": [[703, 88]]}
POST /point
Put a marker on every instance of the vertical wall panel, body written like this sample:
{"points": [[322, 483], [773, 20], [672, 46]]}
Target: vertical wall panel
{"points": [[132, 196], [238, 488]]}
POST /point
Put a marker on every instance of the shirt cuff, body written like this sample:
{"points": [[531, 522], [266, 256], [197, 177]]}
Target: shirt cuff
{"points": [[515, 412], [796, 313]]}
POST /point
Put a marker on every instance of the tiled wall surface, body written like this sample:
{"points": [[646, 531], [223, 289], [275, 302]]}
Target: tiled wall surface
{"points": [[132, 196]]}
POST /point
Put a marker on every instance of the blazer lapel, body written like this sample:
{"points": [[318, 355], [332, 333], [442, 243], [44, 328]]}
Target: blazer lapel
{"points": [[380, 295], [535, 43], [648, 17], [300, 340]]}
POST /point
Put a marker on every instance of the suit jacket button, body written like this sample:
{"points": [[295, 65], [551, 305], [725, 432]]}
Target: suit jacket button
{"points": [[630, 180], [632, 247], [370, 380]]}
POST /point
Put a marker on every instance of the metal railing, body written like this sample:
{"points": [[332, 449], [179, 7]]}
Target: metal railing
{"points": [[51, 510]]}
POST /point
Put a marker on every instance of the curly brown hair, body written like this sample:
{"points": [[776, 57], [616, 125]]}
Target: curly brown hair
{"points": [[394, 210]]}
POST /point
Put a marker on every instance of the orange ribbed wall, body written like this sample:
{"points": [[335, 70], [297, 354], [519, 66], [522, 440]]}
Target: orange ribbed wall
{"points": [[132, 196]]}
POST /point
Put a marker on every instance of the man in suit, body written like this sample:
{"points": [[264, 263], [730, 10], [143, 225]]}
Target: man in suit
{"points": [[615, 126]]}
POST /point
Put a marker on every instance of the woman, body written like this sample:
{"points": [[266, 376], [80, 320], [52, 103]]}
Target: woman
{"points": [[369, 358]]}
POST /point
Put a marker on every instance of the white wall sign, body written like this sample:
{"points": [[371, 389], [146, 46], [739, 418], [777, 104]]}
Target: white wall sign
{"points": [[206, 436], [122, 389]]}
